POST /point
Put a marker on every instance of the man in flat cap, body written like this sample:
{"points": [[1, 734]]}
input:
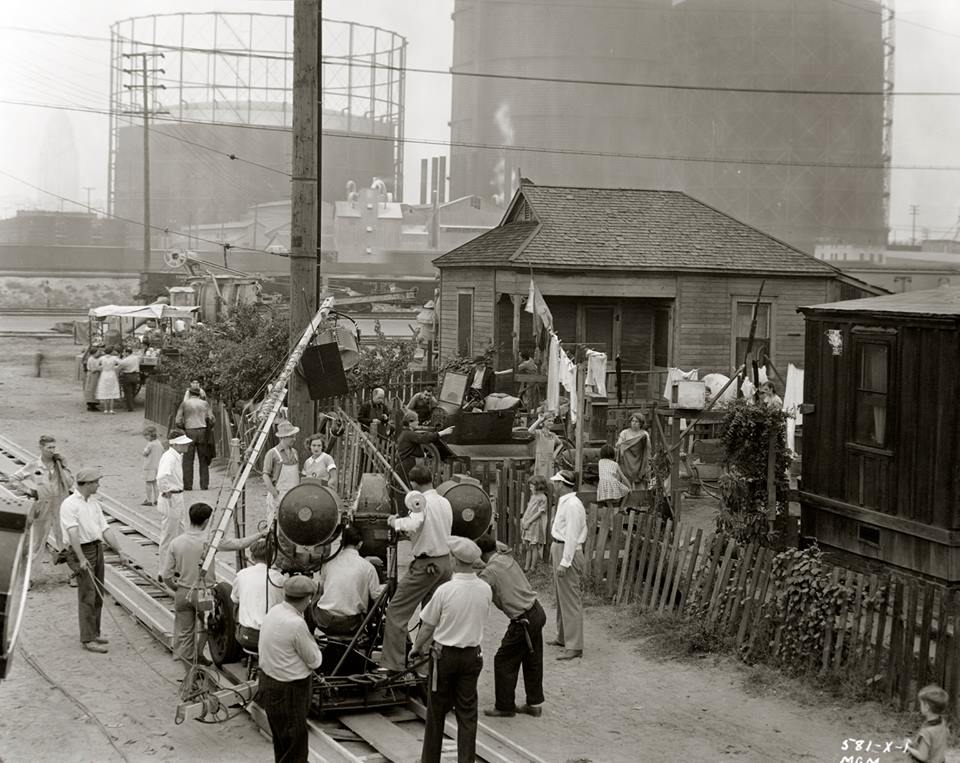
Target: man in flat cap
{"points": [[569, 533], [288, 656], [85, 528], [451, 630], [170, 489]]}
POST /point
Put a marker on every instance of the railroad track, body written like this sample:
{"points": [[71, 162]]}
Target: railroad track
{"points": [[370, 737]]}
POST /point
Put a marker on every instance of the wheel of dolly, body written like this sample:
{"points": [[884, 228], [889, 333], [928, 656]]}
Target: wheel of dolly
{"points": [[222, 627]]}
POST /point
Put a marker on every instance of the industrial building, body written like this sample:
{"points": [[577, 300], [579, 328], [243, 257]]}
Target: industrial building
{"points": [[618, 136]]}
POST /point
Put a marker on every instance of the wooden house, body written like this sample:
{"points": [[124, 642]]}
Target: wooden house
{"points": [[656, 277], [881, 468]]}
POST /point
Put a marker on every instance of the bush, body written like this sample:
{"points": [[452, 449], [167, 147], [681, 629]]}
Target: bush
{"points": [[382, 362]]}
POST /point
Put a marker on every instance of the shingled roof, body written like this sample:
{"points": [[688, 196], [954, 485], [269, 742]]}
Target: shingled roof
{"points": [[561, 228]]}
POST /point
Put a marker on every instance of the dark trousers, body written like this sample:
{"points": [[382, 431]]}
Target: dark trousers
{"points": [[516, 653], [248, 638], [196, 448], [456, 680], [286, 704], [416, 587], [338, 625], [128, 384], [89, 598]]}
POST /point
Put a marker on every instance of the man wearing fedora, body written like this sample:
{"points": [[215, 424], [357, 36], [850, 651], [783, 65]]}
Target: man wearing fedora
{"points": [[288, 656], [569, 533], [85, 529], [281, 467], [170, 492], [451, 629]]}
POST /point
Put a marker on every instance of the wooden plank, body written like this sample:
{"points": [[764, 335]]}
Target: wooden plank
{"points": [[831, 618], [853, 648], [943, 612], [691, 567], [616, 539], [684, 542], [721, 582], [847, 578], [653, 532], [749, 595], [669, 574], [923, 658], [883, 625], [743, 569], [591, 539], [870, 606], [896, 640], [599, 565], [644, 523], [628, 548], [663, 548], [705, 588], [761, 600], [906, 670], [650, 568], [387, 738], [953, 655]]}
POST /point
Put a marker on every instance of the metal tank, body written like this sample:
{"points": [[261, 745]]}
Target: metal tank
{"points": [[778, 44]]}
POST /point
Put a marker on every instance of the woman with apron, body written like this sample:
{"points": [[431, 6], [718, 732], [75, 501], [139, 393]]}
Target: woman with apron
{"points": [[281, 468], [633, 453]]}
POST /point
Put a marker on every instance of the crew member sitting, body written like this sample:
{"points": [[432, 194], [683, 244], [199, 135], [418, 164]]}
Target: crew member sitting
{"points": [[423, 404], [373, 414], [255, 590], [348, 583]]}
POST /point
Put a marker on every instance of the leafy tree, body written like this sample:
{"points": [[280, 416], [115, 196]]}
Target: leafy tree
{"points": [[382, 362]]}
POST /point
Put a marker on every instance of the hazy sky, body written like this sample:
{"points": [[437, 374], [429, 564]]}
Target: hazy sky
{"points": [[56, 70]]}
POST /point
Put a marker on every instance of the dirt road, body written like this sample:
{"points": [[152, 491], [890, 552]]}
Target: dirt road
{"points": [[614, 705]]}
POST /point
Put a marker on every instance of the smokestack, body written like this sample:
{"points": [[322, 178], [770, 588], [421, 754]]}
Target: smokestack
{"points": [[423, 182]]}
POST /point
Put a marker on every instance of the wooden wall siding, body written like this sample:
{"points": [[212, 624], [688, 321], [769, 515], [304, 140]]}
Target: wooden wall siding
{"points": [[589, 284], [636, 335], [703, 323], [481, 281]]}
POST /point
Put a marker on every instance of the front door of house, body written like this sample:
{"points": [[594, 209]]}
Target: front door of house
{"points": [[598, 329]]}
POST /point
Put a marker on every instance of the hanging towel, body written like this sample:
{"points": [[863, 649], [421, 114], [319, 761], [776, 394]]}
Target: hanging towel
{"points": [[793, 392], [552, 403], [747, 388], [597, 372], [676, 374], [568, 378]]}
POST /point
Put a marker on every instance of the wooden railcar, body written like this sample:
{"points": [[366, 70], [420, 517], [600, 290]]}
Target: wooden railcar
{"points": [[881, 464]]}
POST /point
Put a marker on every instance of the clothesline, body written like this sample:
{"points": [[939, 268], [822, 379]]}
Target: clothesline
{"points": [[562, 371]]}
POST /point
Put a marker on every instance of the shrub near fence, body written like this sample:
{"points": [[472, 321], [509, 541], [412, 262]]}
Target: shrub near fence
{"points": [[792, 609]]}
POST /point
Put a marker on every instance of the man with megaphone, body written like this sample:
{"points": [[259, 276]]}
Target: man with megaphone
{"points": [[429, 525]]}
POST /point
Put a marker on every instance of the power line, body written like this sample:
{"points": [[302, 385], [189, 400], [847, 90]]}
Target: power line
{"points": [[112, 216], [534, 149], [352, 62]]}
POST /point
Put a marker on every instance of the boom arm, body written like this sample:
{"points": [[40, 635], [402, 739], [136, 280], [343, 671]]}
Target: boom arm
{"points": [[276, 401]]}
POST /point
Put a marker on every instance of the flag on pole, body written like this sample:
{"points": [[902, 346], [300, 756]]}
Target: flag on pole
{"points": [[537, 305]]}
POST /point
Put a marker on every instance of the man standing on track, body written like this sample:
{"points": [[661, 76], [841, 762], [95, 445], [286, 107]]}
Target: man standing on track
{"points": [[85, 528], [522, 644], [170, 489], [288, 656], [452, 629], [48, 477], [195, 418], [566, 553], [429, 531]]}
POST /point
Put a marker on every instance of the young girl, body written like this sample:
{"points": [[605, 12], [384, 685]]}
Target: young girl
{"points": [[613, 486], [151, 460], [533, 524], [319, 465], [546, 445]]}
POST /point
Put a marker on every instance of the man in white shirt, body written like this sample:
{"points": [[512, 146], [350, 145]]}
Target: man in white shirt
{"points": [[170, 489], [569, 533], [256, 589], [84, 529], [196, 420], [452, 629], [348, 583], [288, 657], [429, 531], [128, 370]]}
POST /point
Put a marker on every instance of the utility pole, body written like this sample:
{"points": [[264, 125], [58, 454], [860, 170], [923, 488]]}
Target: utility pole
{"points": [[88, 188], [144, 71], [304, 224], [914, 213]]}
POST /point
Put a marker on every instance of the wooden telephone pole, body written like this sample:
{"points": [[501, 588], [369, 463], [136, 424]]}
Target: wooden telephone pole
{"points": [[305, 228]]}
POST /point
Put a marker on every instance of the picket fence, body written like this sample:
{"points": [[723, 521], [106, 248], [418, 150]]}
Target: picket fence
{"points": [[897, 634]]}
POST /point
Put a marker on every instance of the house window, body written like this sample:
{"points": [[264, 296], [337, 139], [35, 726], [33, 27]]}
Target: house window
{"points": [[761, 337], [465, 322], [873, 366]]}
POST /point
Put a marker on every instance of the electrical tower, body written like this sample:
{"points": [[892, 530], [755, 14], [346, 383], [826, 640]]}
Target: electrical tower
{"points": [[887, 14], [145, 84]]}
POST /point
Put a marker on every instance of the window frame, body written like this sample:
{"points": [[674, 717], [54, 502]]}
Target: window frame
{"points": [[859, 339], [735, 301], [464, 291]]}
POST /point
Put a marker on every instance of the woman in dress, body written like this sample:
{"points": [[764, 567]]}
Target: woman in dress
{"points": [[91, 369], [108, 385], [613, 486], [281, 468], [633, 452]]}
